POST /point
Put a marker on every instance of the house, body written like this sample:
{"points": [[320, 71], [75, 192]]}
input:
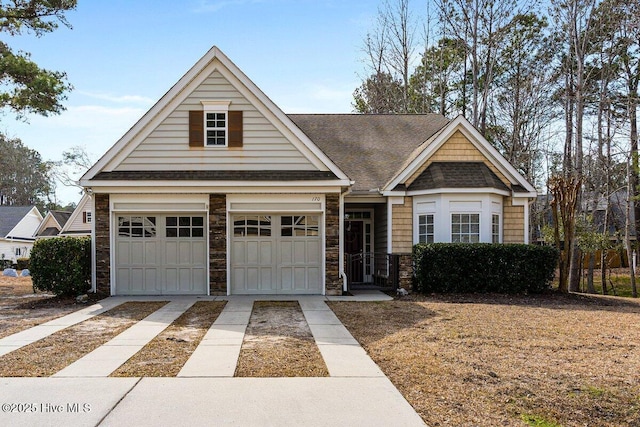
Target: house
{"points": [[51, 224], [79, 223], [215, 190], [18, 225]]}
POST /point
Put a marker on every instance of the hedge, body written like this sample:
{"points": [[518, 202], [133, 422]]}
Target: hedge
{"points": [[62, 265], [483, 267], [22, 263]]}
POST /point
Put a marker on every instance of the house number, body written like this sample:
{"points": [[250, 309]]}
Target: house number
{"points": [[315, 199]]}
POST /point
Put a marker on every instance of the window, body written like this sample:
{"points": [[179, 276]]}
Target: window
{"points": [[425, 228], [86, 217], [18, 251], [465, 228], [137, 226], [215, 125], [252, 226], [299, 226], [185, 226], [495, 228], [216, 128]]}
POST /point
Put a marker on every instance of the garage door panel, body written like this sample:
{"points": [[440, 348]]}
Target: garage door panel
{"points": [[300, 252], [199, 253], [122, 253], [238, 252], [313, 251], [266, 253]]}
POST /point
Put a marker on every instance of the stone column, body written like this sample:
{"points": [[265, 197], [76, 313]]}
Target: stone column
{"points": [[333, 282], [218, 244], [103, 258], [405, 276]]}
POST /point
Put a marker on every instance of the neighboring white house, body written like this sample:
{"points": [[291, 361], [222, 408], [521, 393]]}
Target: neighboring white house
{"points": [[18, 225], [79, 223]]}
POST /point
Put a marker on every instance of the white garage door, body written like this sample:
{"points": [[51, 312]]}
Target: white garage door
{"points": [[160, 254], [276, 254]]}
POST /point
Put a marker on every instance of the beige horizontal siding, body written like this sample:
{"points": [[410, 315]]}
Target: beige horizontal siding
{"points": [[264, 146]]}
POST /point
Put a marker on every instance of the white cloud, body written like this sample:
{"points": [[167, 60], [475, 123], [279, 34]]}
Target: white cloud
{"points": [[119, 99], [206, 6]]}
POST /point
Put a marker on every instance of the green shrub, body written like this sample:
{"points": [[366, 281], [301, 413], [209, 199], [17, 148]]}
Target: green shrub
{"points": [[62, 265], [483, 267], [22, 263]]}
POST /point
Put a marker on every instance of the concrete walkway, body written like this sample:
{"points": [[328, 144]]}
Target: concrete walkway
{"points": [[205, 393]]}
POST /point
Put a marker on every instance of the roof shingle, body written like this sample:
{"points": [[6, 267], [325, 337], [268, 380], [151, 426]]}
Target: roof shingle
{"points": [[369, 148], [457, 175]]}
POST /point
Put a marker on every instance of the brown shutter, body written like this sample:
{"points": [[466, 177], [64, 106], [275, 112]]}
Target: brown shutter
{"points": [[235, 128], [196, 128], [84, 217]]}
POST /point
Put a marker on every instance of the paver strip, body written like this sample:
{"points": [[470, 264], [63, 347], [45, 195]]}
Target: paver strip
{"points": [[217, 354], [105, 359], [28, 336], [54, 352], [166, 354], [341, 352]]}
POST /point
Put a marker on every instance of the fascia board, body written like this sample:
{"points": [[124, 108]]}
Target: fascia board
{"points": [[171, 187], [482, 190]]}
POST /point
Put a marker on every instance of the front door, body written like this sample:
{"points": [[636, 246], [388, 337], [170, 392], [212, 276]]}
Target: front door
{"points": [[353, 241]]}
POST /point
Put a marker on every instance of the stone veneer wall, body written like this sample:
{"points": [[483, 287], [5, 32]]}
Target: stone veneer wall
{"points": [[103, 259], [333, 281], [218, 244]]}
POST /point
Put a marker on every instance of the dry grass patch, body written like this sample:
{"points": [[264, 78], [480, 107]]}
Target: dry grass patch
{"points": [[279, 343], [167, 353], [53, 353], [21, 308], [500, 360]]}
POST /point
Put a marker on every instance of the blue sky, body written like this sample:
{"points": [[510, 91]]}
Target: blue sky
{"points": [[122, 55]]}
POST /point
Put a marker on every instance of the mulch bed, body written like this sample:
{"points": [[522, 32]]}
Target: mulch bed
{"points": [[21, 308], [492, 360], [55, 352], [167, 353], [279, 343]]}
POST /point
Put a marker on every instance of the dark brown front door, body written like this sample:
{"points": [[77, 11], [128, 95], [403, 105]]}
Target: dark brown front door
{"points": [[353, 245]]}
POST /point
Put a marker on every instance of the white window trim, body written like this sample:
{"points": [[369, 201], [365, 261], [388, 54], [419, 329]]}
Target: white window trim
{"points": [[216, 107], [499, 227], [479, 213], [88, 217], [433, 223]]}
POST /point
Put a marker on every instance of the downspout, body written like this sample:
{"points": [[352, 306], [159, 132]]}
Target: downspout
{"points": [[93, 241], [341, 239]]}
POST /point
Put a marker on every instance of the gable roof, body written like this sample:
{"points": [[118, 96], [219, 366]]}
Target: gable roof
{"points": [[457, 175], [80, 207], [369, 147], [423, 152], [213, 60], [59, 218], [10, 216]]}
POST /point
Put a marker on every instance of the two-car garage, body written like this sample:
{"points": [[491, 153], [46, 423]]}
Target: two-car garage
{"points": [[273, 246]]}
